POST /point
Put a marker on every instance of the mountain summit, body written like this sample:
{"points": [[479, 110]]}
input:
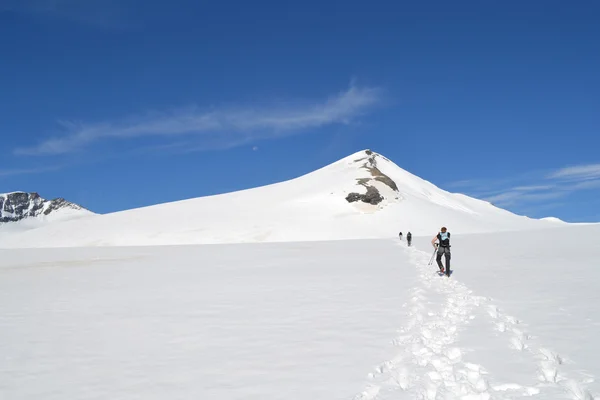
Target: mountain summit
{"points": [[364, 195]]}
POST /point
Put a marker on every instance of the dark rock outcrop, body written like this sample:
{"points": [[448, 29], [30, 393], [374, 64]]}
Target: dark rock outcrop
{"points": [[19, 205], [372, 196]]}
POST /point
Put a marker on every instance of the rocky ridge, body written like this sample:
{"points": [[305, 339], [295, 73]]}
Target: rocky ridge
{"points": [[20, 205]]}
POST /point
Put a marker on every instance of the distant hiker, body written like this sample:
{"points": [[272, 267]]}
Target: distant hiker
{"points": [[409, 237], [400, 235], [443, 248]]}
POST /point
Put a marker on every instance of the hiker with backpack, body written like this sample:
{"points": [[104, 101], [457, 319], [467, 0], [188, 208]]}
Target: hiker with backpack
{"points": [[409, 237], [443, 249]]}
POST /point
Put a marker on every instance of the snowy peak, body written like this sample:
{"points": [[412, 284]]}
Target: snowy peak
{"points": [[17, 206], [385, 183]]}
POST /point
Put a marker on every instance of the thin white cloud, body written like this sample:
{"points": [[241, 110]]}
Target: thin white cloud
{"points": [[486, 187], [587, 184], [465, 183], [513, 197], [26, 171], [106, 14], [223, 127], [533, 188], [539, 193], [579, 172]]}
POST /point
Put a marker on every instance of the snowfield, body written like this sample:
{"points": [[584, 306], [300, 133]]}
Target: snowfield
{"points": [[365, 319], [205, 322]]}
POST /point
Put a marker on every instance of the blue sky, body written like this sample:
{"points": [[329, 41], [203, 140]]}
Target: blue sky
{"points": [[117, 104]]}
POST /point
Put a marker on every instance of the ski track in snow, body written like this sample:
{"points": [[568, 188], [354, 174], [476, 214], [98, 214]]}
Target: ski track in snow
{"points": [[428, 364]]}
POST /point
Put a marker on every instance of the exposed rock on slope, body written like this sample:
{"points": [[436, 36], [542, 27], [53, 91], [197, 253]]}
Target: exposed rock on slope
{"points": [[372, 196], [20, 205]]}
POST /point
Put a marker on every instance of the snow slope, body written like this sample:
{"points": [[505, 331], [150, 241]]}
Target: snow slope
{"points": [[311, 207], [364, 319]]}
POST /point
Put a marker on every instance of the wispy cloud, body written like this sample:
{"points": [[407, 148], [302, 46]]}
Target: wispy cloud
{"points": [[531, 188], [587, 184], [465, 183], [26, 171], [109, 14], [487, 186], [579, 172], [215, 127], [514, 196]]}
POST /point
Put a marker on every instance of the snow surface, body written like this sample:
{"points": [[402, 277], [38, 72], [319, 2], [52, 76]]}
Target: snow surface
{"points": [[215, 322], [364, 319], [311, 207]]}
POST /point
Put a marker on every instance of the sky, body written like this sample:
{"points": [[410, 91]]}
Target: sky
{"points": [[118, 104]]}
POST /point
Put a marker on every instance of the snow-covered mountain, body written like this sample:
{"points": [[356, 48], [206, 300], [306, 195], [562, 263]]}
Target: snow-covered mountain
{"points": [[17, 206], [364, 195]]}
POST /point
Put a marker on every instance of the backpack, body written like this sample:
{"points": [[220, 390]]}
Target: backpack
{"points": [[444, 238]]}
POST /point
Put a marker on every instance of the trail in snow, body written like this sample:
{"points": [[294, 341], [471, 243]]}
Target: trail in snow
{"points": [[430, 364]]}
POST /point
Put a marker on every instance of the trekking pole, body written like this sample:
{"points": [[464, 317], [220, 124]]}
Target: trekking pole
{"points": [[433, 255]]}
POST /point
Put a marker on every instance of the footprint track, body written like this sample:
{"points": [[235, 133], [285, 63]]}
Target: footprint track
{"points": [[429, 365], [549, 362]]}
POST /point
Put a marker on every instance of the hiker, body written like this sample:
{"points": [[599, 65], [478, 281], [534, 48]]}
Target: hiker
{"points": [[408, 237], [443, 248], [400, 235]]}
